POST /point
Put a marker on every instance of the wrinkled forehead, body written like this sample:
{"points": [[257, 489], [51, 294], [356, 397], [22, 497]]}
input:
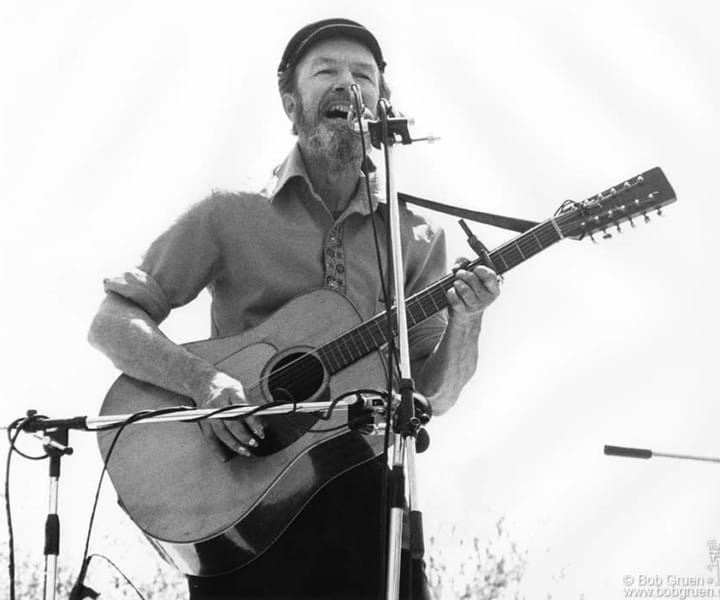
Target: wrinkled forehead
{"points": [[339, 51]]}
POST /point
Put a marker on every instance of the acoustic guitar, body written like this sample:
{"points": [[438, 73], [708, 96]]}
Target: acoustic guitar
{"points": [[208, 510]]}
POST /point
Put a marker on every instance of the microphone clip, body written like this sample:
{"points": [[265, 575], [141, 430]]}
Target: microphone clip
{"points": [[389, 128]]}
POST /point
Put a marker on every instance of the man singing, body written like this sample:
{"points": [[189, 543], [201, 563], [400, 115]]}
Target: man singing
{"points": [[311, 227]]}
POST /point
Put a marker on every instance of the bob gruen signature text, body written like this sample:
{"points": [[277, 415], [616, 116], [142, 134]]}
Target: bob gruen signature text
{"points": [[671, 586]]}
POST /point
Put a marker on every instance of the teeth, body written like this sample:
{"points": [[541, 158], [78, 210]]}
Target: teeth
{"points": [[339, 107]]}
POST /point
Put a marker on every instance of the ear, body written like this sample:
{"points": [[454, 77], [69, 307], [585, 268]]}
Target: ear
{"points": [[288, 101]]}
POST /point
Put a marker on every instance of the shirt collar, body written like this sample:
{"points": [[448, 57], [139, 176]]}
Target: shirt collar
{"points": [[293, 167]]}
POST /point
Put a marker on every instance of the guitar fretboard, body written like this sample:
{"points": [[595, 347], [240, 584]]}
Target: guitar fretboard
{"points": [[372, 334]]}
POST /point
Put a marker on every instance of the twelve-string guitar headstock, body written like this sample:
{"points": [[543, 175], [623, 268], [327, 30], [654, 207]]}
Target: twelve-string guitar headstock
{"points": [[636, 197]]}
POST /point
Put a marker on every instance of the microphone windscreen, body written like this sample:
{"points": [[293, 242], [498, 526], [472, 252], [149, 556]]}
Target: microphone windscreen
{"points": [[628, 452]]}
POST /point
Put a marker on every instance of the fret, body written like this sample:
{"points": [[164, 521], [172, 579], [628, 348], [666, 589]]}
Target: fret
{"points": [[545, 236], [416, 312], [553, 222], [344, 349], [410, 312], [502, 258], [353, 339], [373, 334], [520, 249], [435, 304], [537, 241], [380, 339], [439, 296], [368, 339], [327, 356], [423, 313], [361, 345], [382, 321], [508, 259]]}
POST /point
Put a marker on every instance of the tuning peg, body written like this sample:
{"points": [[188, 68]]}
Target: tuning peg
{"points": [[660, 212], [640, 179], [592, 237], [627, 184], [606, 235], [647, 219], [617, 226], [632, 223]]}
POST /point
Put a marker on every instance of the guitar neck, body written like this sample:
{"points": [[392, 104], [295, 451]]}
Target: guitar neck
{"points": [[372, 334]]}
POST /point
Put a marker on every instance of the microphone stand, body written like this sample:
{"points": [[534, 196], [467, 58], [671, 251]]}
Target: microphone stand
{"points": [[361, 409], [55, 444], [406, 426]]}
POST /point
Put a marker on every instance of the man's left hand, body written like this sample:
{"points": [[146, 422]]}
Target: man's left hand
{"points": [[472, 292]]}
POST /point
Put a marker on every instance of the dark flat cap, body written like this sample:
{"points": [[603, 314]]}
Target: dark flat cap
{"points": [[322, 30]]}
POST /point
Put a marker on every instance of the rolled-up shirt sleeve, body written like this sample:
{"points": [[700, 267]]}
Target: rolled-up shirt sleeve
{"points": [[141, 289], [176, 267]]}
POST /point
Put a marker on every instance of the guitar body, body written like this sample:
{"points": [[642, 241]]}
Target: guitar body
{"points": [[210, 511], [206, 509]]}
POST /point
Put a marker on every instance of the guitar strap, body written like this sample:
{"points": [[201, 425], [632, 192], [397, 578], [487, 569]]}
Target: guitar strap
{"points": [[511, 223], [500, 221]]}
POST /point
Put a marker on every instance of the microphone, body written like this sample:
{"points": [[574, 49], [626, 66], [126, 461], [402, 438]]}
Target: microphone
{"points": [[627, 452], [365, 119], [359, 113], [645, 453]]}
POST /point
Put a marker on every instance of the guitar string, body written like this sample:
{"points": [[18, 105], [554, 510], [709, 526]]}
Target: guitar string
{"points": [[295, 369], [359, 342], [527, 245]]}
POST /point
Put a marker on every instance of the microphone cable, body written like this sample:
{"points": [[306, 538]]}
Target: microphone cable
{"points": [[13, 432]]}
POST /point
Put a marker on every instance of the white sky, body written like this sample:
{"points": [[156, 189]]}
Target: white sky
{"points": [[115, 117]]}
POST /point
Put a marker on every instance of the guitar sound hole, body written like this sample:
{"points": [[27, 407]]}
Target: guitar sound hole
{"points": [[295, 377]]}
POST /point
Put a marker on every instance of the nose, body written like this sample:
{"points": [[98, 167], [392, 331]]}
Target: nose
{"points": [[344, 80]]}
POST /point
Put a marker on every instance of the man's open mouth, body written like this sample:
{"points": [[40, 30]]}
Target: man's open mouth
{"points": [[337, 111]]}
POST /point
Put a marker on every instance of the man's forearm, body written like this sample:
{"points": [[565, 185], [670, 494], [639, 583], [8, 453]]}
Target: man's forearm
{"points": [[450, 366], [129, 337]]}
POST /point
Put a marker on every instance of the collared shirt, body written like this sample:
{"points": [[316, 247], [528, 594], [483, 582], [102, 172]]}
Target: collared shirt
{"points": [[255, 251]]}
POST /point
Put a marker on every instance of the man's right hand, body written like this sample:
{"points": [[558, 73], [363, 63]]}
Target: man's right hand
{"points": [[236, 434]]}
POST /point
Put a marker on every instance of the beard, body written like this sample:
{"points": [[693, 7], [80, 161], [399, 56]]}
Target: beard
{"points": [[328, 141]]}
